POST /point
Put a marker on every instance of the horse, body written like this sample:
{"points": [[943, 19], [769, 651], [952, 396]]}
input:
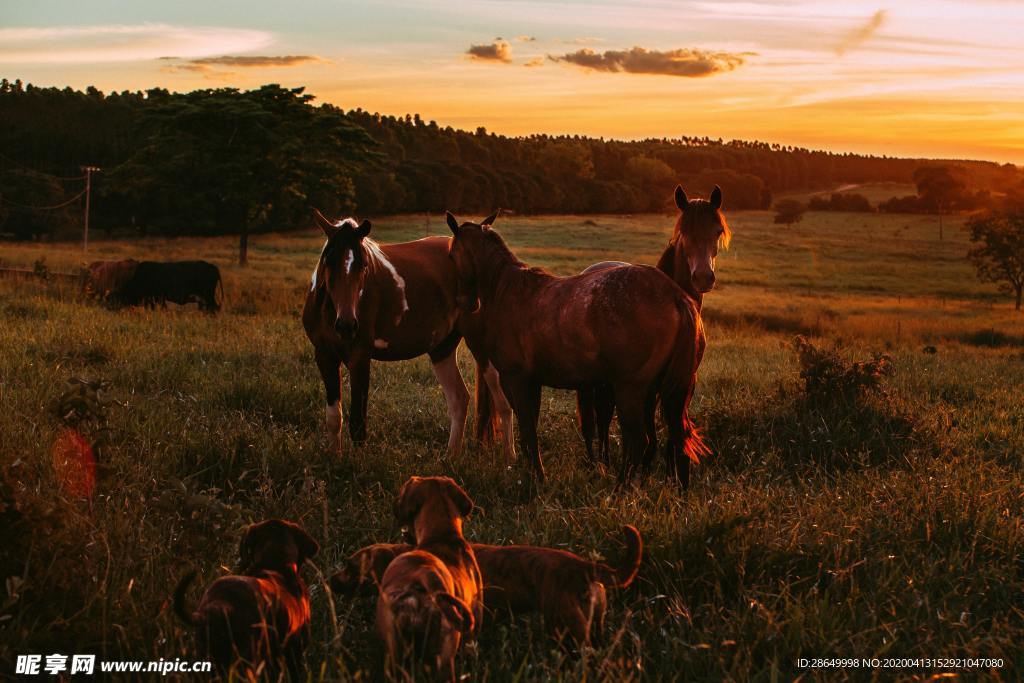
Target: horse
{"points": [[392, 302], [689, 259], [630, 327]]}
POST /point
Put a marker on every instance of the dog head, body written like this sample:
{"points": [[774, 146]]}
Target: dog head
{"points": [[418, 491], [275, 544], [363, 569], [431, 624]]}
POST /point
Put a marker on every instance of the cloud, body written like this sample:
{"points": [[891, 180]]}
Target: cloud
{"points": [[585, 40], [498, 51], [683, 62], [536, 61], [861, 34], [526, 39], [213, 65], [122, 43]]}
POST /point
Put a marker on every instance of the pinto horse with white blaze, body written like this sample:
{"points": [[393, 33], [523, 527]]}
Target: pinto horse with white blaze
{"points": [[382, 302], [630, 328], [689, 259]]}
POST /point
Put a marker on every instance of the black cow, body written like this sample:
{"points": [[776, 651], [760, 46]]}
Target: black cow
{"points": [[179, 282]]}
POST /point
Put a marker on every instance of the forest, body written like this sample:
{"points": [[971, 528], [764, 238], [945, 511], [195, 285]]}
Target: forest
{"points": [[224, 160]]}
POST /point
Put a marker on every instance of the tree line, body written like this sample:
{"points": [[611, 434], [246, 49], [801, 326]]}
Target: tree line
{"points": [[224, 160]]}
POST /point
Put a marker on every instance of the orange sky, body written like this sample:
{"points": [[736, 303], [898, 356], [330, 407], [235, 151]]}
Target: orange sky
{"points": [[939, 79]]}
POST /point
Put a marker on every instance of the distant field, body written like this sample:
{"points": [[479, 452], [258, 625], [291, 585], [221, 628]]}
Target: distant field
{"points": [[875, 192], [884, 528]]}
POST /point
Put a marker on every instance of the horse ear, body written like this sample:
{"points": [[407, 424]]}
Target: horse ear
{"points": [[329, 228], [490, 219], [681, 200], [453, 224], [716, 198], [364, 229]]}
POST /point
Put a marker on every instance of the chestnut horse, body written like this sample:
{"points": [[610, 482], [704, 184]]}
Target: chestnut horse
{"points": [[382, 302], [631, 328], [689, 259]]}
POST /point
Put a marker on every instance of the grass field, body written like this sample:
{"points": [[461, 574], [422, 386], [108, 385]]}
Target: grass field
{"points": [[886, 526]]}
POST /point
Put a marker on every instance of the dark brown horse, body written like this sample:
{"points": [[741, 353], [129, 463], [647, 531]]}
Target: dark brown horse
{"points": [[631, 328], [382, 302], [689, 259]]}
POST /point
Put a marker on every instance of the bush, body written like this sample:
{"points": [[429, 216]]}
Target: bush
{"points": [[827, 376]]}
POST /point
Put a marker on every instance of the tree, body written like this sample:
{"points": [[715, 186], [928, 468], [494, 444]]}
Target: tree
{"points": [[940, 188], [789, 211], [999, 251]]}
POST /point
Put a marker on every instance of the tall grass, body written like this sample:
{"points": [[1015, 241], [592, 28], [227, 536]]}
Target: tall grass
{"points": [[888, 525]]}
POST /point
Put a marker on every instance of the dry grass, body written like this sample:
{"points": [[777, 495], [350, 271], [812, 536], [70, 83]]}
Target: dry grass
{"points": [[888, 526]]}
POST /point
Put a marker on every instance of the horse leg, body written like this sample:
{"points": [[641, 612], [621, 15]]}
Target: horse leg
{"points": [[631, 404], [359, 375], [604, 400], [502, 412], [676, 460], [329, 366], [525, 398], [456, 396], [485, 426], [650, 408], [586, 413]]}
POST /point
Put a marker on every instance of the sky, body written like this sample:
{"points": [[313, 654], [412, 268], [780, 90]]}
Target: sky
{"points": [[909, 78]]}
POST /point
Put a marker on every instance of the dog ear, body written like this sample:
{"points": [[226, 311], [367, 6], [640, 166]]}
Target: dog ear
{"points": [[307, 546], [245, 558], [408, 502], [455, 612], [461, 499]]}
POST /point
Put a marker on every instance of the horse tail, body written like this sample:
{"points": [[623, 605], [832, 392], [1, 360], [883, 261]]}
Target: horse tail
{"points": [[485, 416], [623, 575], [220, 285], [180, 608], [680, 379]]}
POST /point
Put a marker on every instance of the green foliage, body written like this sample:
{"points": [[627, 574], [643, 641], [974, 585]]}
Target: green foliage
{"points": [[998, 254], [827, 376], [789, 211], [839, 201]]}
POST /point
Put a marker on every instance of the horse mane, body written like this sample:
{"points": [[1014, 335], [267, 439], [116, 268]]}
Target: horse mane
{"points": [[496, 246], [702, 207]]}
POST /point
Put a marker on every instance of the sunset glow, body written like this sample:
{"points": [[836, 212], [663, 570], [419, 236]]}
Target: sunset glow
{"points": [[937, 79]]}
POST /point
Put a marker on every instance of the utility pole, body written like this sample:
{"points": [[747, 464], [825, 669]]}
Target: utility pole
{"points": [[89, 170]]}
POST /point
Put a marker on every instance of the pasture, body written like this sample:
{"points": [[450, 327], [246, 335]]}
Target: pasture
{"points": [[889, 525]]}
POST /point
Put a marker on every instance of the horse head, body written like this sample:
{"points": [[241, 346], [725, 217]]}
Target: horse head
{"points": [[700, 231], [341, 270], [466, 241]]}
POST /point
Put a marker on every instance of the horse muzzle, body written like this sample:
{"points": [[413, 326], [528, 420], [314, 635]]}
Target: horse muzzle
{"points": [[346, 329]]}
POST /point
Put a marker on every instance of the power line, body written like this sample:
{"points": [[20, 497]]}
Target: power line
{"points": [[4, 200], [29, 168]]}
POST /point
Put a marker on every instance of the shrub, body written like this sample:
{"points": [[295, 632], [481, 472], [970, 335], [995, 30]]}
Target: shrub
{"points": [[827, 376]]}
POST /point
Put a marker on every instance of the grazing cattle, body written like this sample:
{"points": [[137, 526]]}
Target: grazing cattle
{"points": [[629, 327], [689, 259], [566, 588], [108, 279], [432, 595], [255, 619], [392, 302], [180, 282]]}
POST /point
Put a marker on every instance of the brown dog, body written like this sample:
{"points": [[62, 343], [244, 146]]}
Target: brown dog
{"points": [[262, 614], [567, 589], [432, 595]]}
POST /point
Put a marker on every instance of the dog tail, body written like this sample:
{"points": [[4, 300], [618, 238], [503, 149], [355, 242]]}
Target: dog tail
{"points": [[624, 574], [180, 609]]}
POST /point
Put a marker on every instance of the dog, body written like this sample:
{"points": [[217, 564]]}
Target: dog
{"points": [[566, 589], [431, 596], [260, 615]]}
